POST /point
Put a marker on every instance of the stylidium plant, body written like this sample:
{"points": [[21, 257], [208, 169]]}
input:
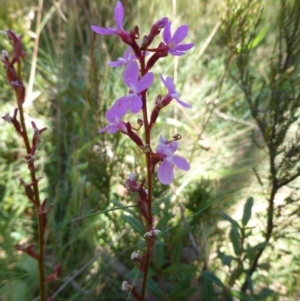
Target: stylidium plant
{"points": [[138, 78], [12, 65]]}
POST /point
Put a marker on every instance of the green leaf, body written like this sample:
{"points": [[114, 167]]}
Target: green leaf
{"points": [[256, 40], [154, 289], [121, 205], [247, 211], [226, 259], [162, 221], [242, 296], [259, 37], [229, 219], [177, 252], [251, 251], [181, 232], [134, 223], [235, 239], [181, 292], [159, 253], [209, 293], [179, 267], [264, 294], [212, 278]]}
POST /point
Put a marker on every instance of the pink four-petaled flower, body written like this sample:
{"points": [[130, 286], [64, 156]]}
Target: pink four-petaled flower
{"points": [[165, 171], [132, 101], [169, 84], [174, 41]]}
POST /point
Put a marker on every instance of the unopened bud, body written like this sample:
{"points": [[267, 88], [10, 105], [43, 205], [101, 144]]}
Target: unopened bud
{"points": [[161, 23]]}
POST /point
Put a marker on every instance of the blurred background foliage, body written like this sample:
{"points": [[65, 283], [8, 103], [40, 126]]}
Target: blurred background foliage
{"points": [[95, 227]]}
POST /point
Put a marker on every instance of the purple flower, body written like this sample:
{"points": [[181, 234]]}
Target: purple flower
{"points": [[165, 171], [127, 57], [173, 42], [115, 124], [119, 31], [131, 101], [169, 84]]}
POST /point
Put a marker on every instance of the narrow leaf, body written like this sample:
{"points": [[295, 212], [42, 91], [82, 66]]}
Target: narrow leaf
{"points": [[154, 289], [242, 296], [159, 251], [251, 251], [177, 252], [182, 292], [179, 267], [247, 211], [235, 239], [134, 223], [212, 278], [259, 37], [229, 219]]}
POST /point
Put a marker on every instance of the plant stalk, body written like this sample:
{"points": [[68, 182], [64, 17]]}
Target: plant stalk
{"points": [[36, 194]]}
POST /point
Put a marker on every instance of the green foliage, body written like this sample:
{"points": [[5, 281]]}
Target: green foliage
{"points": [[247, 211]]}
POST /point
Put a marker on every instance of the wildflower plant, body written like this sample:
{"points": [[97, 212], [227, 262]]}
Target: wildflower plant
{"points": [[12, 65], [138, 61]]}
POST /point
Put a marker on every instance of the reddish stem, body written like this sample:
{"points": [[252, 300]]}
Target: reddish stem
{"points": [[149, 179], [36, 192]]}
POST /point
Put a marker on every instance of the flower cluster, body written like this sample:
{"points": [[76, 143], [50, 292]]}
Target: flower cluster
{"points": [[138, 79], [137, 61]]}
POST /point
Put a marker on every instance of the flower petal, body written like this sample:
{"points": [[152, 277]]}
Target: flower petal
{"points": [[127, 53], [181, 163], [180, 34], [131, 74], [184, 104], [167, 33], [118, 109], [184, 47], [162, 149], [110, 129], [104, 31], [165, 172], [173, 146], [170, 85], [176, 53], [119, 14], [135, 103], [145, 82], [163, 140], [119, 62]]}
